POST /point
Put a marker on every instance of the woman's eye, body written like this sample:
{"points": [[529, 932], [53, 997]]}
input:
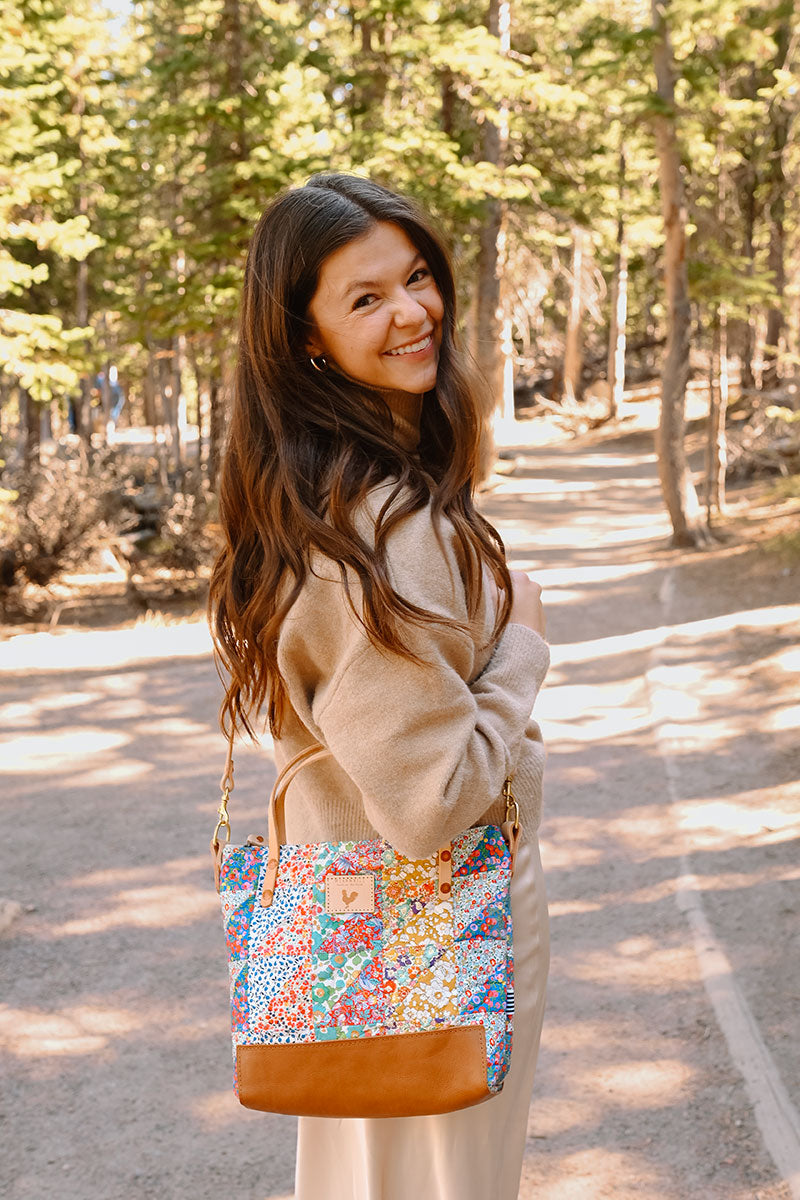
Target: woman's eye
{"points": [[368, 297]]}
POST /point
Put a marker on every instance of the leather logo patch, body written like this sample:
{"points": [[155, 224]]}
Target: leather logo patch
{"points": [[349, 893]]}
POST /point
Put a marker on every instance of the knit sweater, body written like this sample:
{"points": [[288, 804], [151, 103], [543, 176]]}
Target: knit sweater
{"points": [[420, 749]]}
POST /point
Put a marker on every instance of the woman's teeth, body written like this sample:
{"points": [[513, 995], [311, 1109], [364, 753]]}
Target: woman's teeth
{"points": [[414, 347]]}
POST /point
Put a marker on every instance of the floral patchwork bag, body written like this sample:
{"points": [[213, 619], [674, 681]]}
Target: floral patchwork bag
{"points": [[363, 983]]}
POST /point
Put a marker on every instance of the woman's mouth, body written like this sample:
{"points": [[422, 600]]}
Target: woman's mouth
{"points": [[417, 347]]}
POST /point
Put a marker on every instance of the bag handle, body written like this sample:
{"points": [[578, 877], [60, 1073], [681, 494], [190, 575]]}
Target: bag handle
{"points": [[275, 821], [226, 783], [276, 830], [276, 833]]}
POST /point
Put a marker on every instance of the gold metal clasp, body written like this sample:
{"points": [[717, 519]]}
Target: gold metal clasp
{"points": [[223, 821], [512, 807]]}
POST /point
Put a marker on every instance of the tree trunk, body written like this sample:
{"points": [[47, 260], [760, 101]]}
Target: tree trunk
{"points": [[102, 413], [779, 129], [507, 337], [573, 343], [164, 397], [170, 385], [488, 319], [105, 391], [176, 383], [488, 311], [33, 431], [226, 148], [54, 419], [770, 376], [716, 447], [507, 358], [194, 366], [232, 45], [157, 422], [619, 307], [678, 491], [83, 406], [650, 326], [216, 426], [148, 394], [617, 335], [374, 51], [747, 201]]}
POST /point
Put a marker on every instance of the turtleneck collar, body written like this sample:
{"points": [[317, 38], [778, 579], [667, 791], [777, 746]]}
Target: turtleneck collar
{"points": [[406, 412]]}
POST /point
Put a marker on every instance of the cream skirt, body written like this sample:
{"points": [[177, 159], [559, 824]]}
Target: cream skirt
{"points": [[474, 1154]]}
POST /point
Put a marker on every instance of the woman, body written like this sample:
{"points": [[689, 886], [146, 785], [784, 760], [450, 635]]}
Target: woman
{"points": [[365, 603]]}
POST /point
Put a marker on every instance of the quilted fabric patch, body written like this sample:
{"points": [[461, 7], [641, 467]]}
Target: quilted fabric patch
{"points": [[417, 961]]}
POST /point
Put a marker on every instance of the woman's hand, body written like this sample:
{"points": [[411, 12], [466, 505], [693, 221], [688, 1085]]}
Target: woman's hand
{"points": [[526, 602]]}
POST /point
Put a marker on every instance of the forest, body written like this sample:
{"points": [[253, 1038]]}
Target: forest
{"points": [[618, 183]]}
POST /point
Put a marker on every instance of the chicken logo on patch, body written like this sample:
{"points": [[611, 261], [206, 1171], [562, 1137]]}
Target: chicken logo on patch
{"points": [[349, 893]]}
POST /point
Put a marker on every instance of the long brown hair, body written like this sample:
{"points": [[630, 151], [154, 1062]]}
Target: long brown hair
{"points": [[304, 449]]}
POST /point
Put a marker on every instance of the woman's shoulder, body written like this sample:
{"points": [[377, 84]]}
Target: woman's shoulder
{"points": [[323, 628], [409, 522], [420, 547], [385, 500], [419, 552]]}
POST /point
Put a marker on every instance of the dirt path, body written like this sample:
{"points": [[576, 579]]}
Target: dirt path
{"points": [[672, 723], [672, 776]]}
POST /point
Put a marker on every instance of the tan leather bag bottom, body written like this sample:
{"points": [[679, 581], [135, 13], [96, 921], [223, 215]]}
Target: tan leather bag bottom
{"points": [[401, 1075]]}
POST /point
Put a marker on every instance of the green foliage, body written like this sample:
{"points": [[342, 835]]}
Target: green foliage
{"points": [[53, 129], [777, 412], [785, 546], [148, 154], [788, 488]]}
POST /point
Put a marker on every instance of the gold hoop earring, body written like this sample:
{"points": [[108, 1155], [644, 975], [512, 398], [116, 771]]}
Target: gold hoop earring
{"points": [[320, 363]]}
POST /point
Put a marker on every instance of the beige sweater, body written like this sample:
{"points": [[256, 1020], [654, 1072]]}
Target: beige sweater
{"points": [[420, 751]]}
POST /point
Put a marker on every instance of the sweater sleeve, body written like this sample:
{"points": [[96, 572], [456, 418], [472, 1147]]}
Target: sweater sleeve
{"points": [[427, 745]]}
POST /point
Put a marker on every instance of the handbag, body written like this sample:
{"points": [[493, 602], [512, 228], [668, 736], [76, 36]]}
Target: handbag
{"points": [[364, 983]]}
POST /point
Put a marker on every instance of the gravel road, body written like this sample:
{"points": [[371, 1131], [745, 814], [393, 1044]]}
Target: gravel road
{"points": [[670, 1066]]}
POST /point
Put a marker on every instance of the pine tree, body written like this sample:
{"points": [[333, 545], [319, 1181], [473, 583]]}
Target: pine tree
{"points": [[53, 130]]}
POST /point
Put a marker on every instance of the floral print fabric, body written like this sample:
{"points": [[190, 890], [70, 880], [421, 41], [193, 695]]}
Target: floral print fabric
{"points": [[419, 961]]}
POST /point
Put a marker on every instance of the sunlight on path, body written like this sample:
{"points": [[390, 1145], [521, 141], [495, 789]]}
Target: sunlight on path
{"points": [[726, 822], [629, 1103], [106, 648]]}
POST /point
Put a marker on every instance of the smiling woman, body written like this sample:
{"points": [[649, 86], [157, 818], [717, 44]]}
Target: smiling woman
{"points": [[365, 603], [384, 330]]}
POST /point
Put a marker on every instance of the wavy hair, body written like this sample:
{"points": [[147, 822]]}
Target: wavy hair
{"points": [[304, 449]]}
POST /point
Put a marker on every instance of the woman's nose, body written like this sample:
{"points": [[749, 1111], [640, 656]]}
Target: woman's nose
{"points": [[408, 310]]}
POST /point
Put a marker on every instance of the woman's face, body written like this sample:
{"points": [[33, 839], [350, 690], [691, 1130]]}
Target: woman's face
{"points": [[377, 312]]}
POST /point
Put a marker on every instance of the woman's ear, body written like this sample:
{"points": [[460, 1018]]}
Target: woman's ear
{"points": [[314, 346]]}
